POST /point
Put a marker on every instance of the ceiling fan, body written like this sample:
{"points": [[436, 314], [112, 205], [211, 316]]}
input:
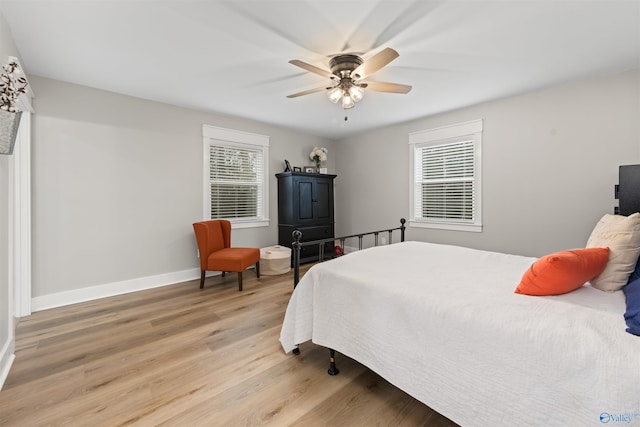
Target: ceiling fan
{"points": [[347, 74]]}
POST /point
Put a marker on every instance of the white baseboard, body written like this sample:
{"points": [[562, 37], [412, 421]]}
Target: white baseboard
{"points": [[60, 299], [7, 357]]}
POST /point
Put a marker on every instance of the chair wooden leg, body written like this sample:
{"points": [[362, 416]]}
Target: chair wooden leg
{"points": [[258, 269], [240, 281], [223, 273], [202, 280]]}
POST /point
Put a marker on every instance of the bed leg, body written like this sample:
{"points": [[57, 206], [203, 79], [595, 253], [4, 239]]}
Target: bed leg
{"points": [[332, 363], [297, 235], [296, 350]]}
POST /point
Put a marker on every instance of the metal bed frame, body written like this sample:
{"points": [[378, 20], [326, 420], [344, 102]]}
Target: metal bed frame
{"points": [[297, 245]]}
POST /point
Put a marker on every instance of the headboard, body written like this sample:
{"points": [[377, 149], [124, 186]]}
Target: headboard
{"points": [[628, 190]]}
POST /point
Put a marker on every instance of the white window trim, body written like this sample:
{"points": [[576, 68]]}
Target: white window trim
{"points": [[435, 136], [231, 136]]}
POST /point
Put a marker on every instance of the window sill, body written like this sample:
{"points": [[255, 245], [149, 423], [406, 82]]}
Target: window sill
{"points": [[235, 224], [474, 228]]}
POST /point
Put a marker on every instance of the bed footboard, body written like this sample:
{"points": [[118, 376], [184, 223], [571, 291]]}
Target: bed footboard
{"points": [[297, 244]]}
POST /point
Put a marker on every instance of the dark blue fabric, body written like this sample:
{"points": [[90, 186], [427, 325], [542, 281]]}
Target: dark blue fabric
{"points": [[632, 315], [636, 273]]}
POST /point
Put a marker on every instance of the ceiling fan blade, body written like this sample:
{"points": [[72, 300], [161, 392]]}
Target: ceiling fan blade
{"points": [[312, 68], [377, 61], [258, 14], [307, 92], [388, 87], [412, 14]]}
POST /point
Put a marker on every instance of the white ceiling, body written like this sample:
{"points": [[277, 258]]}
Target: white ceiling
{"points": [[232, 56]]}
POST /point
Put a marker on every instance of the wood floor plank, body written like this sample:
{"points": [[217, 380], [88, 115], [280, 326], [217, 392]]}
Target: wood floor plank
{"points": [[179, 355], [265, 398], [368, 400]]}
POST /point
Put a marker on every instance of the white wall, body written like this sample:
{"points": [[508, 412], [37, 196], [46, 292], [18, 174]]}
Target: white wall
{"points": [[117, 183], [550, 160]]}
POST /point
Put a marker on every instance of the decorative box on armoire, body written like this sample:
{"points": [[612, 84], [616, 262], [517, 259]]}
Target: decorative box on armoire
{"points": [[305, 203]]}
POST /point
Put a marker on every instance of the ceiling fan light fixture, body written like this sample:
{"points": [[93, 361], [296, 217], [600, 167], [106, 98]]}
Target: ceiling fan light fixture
{"points": [[356, 92], [335, 94], [347, 101]]}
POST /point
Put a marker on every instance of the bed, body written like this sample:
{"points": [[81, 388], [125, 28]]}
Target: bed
{"points": [[443, 324], [477, 352]]}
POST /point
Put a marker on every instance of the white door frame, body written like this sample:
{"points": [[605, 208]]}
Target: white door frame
{"points": [[20, 243], [20, 215]]}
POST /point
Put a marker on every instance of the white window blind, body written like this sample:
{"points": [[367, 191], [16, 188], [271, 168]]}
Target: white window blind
{"points": [[236, 181], [236, 177], [444, 177]]}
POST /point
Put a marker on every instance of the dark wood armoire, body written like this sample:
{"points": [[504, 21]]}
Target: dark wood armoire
{"points": [[305, 203]]}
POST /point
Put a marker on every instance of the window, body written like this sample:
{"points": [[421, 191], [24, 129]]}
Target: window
{"points": [[445, 177], [235, 175]]}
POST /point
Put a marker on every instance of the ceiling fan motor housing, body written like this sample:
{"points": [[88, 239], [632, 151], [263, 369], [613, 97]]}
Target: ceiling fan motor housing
{"points": [[343, 65]]}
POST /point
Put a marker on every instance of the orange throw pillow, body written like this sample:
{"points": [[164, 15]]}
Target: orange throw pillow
{"points": [[563, 272]]}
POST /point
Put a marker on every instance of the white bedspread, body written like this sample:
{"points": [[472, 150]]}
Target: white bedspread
{"points": [[443, 324]]}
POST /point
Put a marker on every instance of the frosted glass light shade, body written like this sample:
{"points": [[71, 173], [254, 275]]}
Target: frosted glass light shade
{"points": [[347, 102], [335, 94], [356, 93]]}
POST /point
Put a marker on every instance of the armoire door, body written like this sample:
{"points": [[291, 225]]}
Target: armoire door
{"points": [[304, 200]]}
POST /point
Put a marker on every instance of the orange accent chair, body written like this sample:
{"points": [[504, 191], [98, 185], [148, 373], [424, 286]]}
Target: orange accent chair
{"points": [[216, 253]]}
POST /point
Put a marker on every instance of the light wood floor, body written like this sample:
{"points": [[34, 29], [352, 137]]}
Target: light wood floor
{"points": [[181, 356]]}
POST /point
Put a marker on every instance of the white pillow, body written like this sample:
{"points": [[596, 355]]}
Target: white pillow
{"points": [[621, 234]]}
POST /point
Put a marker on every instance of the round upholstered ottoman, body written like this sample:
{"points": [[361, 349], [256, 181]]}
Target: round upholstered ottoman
{"points": [[275, 260]]}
